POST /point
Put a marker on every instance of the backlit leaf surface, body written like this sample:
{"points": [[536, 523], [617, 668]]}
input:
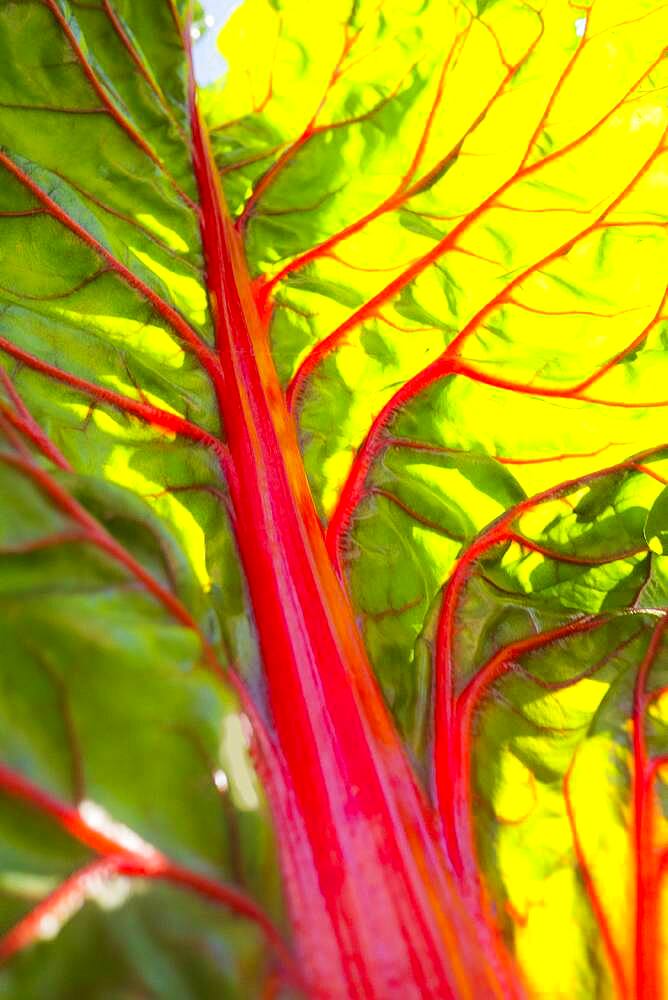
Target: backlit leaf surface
{"points": [[453, 215]]}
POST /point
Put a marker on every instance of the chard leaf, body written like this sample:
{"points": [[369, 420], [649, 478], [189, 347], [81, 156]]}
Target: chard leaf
{"points": [[453, 218]]}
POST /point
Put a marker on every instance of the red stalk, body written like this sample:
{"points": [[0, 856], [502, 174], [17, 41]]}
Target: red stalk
{"points": [[376, 913]]}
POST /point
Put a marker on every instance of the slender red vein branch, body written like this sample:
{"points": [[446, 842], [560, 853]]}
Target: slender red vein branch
{"points": [[593, 896], [146, 412], [23, 420], [34, 433], [414, 445], [68, 817], [98, 536], [455, 752], [656, 763], [565, 557], [116, 115], [144, 72], [230, 168], [527, 389], [554, 93], [123, 853], [184, 331], [177, 21], [268, 178], [45, 542], [653, 473], [12, 433], [46, 918], [413, 514], [55, 296], [52, 109], [590, 671], [23, 213]]}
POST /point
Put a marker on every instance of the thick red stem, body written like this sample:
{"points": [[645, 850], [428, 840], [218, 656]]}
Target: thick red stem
{"points": [[390, 914]]}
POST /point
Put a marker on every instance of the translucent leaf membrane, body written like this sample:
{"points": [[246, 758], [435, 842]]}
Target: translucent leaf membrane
{"points": [[121, 599]]}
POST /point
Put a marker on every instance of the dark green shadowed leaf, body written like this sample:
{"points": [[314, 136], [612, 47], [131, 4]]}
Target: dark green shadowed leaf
{"points": [[121, 599]]}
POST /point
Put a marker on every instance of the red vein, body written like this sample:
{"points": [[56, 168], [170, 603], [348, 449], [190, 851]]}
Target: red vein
{"points": [[118, 858], [96, 535], [117, 116], [45, 542], [563, 456], [183, 330], [413, 514], [647, 943], [141, 65], [21, 213], [593, 896], [52, 108], [175, 17], [68, 817], [652, 473], [146, 412], [412, 445], [554, 93], [58, 906], [55, 296], [527, 543], [526, 389], [585, 674], [455, 800], [268, 178], [22, 420]]}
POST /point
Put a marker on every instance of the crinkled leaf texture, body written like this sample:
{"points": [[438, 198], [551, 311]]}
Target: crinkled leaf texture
{"points": [[453, 217]]}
